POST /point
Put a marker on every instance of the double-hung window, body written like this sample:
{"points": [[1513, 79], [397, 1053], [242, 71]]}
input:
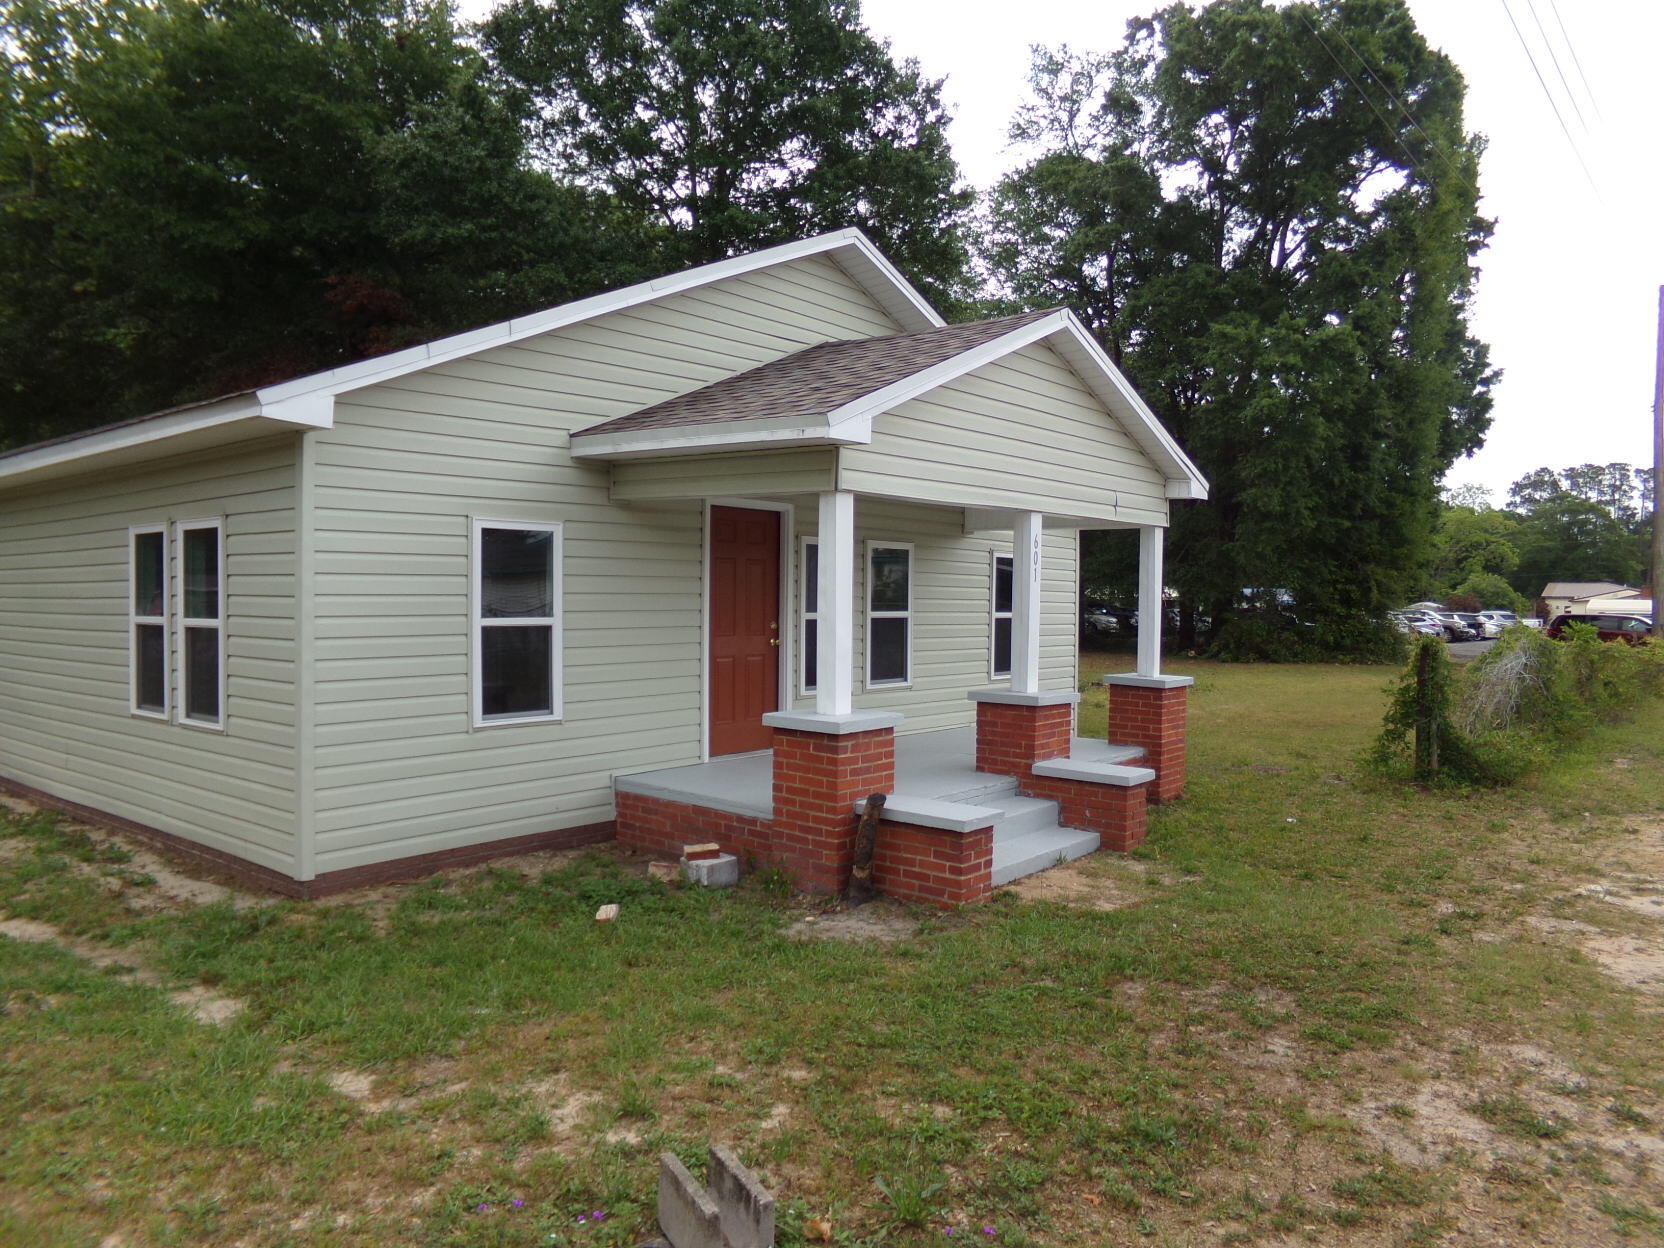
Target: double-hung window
{"points": [[148, 620], [999, 659], [889, 613], [516, 609], [202, 622], [810, 597]]}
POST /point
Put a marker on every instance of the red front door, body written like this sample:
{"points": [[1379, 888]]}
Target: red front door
{"points": [[745, 627]]}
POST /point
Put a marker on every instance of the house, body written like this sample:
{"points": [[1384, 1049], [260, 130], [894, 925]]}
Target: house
{"points": [[714, 556], [1562, 596]]}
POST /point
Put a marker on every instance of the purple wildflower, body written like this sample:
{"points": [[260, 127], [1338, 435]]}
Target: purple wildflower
{"points": [[517, 1203], [482, 1208], [988, 1230], [599, 1215]]}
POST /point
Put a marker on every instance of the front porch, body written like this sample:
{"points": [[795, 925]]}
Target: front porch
{"points": [[891, 523], [934, 767], [967, 809]]}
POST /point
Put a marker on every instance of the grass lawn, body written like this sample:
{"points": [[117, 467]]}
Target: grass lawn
{"points": [[1316, 1008]]}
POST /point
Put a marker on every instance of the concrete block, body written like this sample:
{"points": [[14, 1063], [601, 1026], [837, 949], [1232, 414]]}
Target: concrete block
{"points": [[687, 1215], [723, 871], [746, 1208]]}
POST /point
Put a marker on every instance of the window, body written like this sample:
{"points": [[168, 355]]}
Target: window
{"points": [[810, 598], [148, 620], [202, 622], [1000, 610], [889, 613], [516, 608]]}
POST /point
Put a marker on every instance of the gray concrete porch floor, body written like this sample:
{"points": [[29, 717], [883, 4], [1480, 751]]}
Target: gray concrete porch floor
{"points": [[940, 765]]}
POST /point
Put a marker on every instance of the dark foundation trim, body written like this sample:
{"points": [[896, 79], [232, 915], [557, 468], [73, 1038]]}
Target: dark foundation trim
{"points": [[253, 875]]}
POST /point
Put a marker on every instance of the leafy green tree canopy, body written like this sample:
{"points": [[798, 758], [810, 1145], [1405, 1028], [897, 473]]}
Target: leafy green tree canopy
{"points": [[1267, 214], [741, 124], [202, 195]]}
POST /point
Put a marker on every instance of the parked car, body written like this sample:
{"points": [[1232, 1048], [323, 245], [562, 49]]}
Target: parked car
{"points": [[1483, 628], [1506, 619], [1455, 627], [1414, 622], [1099, 619], [1635, 629]]}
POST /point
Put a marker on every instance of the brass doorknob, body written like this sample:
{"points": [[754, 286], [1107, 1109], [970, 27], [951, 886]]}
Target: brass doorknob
{"points": [[774, 641]]}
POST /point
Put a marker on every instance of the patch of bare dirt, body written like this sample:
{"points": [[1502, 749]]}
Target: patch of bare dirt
{"points": [[203, 1004], [882, 922], [1095, 882], [1634, 961]]}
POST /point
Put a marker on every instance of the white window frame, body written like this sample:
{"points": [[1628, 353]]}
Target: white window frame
{"points": [[134, 619], [807, 680], [477, 624], [995, 615], [912, 570], [185, 623]]}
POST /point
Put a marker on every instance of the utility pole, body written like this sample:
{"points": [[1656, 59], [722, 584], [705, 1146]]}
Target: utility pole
{"points": [[1657, 577]]}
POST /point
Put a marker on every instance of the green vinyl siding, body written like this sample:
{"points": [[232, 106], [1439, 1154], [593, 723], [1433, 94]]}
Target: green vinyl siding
{"points": [[952, 583], [1023, 433], [65, 726], [399, 768]]}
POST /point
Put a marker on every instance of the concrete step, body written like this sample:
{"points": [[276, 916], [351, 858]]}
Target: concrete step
{"points": [[1092, 750], [985, 790], [1035, 851], [1022, 814]]}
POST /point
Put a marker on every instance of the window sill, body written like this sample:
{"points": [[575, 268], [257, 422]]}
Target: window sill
{"points": [[518, 720]]}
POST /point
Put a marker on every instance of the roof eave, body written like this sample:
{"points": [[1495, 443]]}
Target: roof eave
{"points": [[708, 439], [201, 426]]}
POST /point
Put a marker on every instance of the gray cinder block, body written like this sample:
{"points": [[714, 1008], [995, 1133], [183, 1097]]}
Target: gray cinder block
{"points": [[723, 871], [687, 1215], [746, 1208]]}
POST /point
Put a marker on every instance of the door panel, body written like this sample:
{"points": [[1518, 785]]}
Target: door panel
{"points": [[745, 627]]}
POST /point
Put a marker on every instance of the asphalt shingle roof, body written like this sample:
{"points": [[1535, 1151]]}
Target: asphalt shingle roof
{"points": [[817, 380]]}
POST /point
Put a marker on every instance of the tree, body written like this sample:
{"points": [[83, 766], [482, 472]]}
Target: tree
{"points": [[1622, 490], [1268, 217], [204, 196], [1470, 543], [1573, 539], [1591, 522], [741, 124]]}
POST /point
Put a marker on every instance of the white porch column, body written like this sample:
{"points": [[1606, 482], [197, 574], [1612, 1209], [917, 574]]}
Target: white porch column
{"points": [[1150, 608], [835, 659], [1025, 602]]}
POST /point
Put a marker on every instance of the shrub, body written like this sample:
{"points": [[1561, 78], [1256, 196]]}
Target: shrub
{"points": [[1421, 726], [1493, 722], [1278, 638]]}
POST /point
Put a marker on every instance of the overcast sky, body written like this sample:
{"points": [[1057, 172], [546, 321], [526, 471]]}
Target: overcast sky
{"points": [[1568, 294]]}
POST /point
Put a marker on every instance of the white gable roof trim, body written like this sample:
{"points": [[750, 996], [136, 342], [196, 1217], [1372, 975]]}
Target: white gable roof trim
{"points": [[852, 423], [308, 402]]}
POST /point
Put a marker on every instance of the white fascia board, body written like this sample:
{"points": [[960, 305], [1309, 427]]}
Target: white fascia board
{"points": [[859, 257], [736, 435], [1184, 479], [57, 455], [873, 271], [860, 412]]}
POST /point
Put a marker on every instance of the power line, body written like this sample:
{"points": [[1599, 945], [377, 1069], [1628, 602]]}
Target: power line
{"points": [[1386, 125], [1547, 43], [1549, 95], [1438, 150], [1576, 62]]}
